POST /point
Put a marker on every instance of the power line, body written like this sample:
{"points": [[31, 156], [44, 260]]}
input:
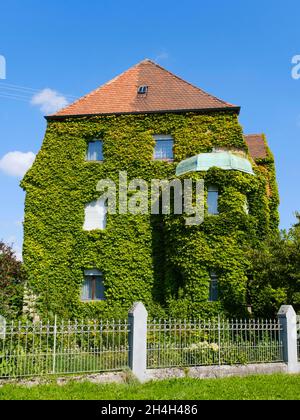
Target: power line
{"points": [[16, 97], [17, 93], [9, 85], [27, 90]]}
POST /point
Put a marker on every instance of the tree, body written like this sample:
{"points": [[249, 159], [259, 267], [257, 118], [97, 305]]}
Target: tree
{"points": [[275, 268], [297, 214], [12, 278], [294, 263]]}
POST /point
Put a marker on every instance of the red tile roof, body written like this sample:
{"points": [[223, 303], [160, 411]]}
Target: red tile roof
{"points": [[166, 92], [256, 145]]}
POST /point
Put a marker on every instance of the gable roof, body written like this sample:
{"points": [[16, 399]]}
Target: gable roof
{"points": [[256, 145], [166, 92]]}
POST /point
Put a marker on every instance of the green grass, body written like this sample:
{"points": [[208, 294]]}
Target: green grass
{"points": [[273, 387]]}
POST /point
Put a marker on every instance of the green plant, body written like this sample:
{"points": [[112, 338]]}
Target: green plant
{"points": [[157, 260], [254, 387], [275, 278], [12, 279]]}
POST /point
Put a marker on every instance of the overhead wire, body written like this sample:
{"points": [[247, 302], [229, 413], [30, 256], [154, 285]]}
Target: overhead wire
{"points": [[17, 92]]}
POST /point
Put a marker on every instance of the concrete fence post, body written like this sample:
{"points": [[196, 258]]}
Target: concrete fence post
{"points": [[137, 320], [2, 327], [288, 321]]}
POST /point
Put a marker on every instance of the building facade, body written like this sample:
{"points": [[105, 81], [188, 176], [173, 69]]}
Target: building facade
{"points": [[83, 261]]}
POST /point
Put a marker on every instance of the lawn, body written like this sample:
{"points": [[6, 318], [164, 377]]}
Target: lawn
{"points": [[273, 387]]}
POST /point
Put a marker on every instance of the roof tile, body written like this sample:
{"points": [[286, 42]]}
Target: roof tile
{"points": [[256, 145], [166, 92]]}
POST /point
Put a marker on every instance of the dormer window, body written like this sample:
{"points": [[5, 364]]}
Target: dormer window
{"points": [[142, 90]]}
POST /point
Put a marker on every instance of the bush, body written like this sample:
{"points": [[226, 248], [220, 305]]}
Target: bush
{"points": [[12, 278]]}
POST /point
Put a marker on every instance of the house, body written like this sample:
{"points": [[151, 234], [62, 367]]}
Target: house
{"points": [[83, 261]]}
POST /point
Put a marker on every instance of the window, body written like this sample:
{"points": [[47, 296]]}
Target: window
{"points": [[212, 199], [142, 90], [93, 286], [213, 287], [94, 150], [95, 215], [163, 148], [246, 206]]}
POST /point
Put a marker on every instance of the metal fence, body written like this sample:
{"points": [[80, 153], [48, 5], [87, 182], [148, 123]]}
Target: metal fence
{"points": [[29, 349], [298, 336], [177, 343], [35, 349]]}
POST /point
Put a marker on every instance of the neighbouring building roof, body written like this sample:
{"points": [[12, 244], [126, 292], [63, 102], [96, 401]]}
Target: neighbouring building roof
{"points": [[256, 145], [164, 92], [223, 160]]}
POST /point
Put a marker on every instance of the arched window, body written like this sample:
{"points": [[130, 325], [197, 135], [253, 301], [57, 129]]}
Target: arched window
{"points": [[95, 150], [95, 215], [212, 199]]}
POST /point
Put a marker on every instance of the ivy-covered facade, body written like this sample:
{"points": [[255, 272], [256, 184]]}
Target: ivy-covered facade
{"points": [[175, 269]]}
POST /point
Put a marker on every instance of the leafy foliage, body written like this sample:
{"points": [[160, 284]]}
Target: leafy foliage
{"points": [[275, 276], [155, 259], [11, 282]]}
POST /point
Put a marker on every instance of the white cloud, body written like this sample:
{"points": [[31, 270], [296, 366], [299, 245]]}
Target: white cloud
{"points": [[161, 56], [16, 163], [49, 101]]}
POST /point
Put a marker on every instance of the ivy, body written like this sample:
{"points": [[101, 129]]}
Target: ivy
{"points": [[155, 259]]}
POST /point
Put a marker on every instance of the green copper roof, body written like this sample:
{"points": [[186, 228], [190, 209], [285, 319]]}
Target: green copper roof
{"points": [[223, 160]]}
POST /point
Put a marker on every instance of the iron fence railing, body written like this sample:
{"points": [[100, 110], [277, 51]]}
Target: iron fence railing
{"points": [[60, 347], [217, 342], [29, 349]]}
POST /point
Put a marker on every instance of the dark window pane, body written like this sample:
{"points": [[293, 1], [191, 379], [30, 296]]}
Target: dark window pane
{"points": [[213, 288], [163, 149], [95, 152], [93, 286], [99, 289]]}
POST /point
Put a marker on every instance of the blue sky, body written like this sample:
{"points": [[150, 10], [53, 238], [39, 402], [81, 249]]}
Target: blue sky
{"points": [[240, 51]]}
